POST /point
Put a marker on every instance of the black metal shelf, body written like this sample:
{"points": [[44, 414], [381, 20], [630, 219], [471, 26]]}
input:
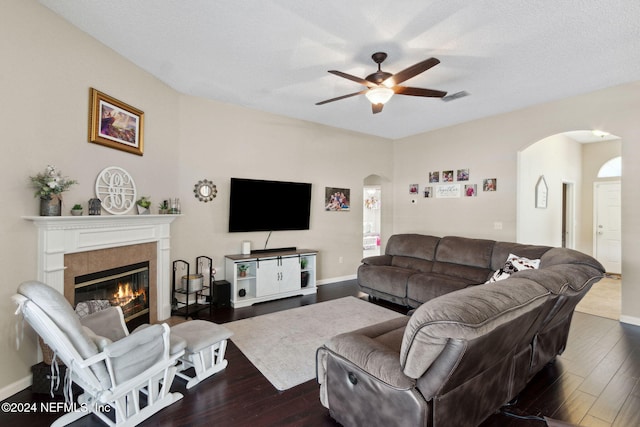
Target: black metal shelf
{"points": [[187, 308]]}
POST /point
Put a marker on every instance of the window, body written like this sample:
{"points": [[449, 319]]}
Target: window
{"points": [[611, 168]]}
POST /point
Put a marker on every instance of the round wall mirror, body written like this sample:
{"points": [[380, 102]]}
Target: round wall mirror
{"points": [[205, 191]]}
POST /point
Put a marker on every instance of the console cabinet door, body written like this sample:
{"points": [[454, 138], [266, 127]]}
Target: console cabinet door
{"points": [[289, 278], [267, 282]]}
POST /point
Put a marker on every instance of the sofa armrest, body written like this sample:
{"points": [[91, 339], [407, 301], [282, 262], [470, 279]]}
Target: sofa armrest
{"points": [[377, 260], [371, 350]]}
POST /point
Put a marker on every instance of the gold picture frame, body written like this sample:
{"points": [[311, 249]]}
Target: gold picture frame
{"points": [[114, 124]]}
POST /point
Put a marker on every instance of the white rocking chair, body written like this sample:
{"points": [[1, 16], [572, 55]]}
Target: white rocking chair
{"points": [[112, 373]]}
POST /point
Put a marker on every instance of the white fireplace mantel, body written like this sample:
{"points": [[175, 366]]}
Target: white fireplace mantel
{"points": [[60, 235]]}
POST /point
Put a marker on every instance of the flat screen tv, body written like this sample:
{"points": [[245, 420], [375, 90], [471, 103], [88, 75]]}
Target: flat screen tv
{"points": [[260, 205]]}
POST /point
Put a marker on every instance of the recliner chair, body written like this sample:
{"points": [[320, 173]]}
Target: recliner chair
{"points": [[125, 378]]}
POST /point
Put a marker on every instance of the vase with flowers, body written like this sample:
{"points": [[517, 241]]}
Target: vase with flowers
{"points": [[50, 185]]}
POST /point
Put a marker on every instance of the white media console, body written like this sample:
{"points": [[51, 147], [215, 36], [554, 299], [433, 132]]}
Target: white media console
{"points": [[270, 275]]}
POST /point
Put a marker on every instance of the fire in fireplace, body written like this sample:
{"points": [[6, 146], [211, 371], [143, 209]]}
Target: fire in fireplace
{"points": [[126, 286]]}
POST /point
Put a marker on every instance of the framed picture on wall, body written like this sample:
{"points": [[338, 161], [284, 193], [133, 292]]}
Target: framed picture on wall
{"points": [[337, 199], [114, 124], [490, 184]]}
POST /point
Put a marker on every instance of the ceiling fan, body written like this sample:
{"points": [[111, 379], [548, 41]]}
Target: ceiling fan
{"points": [[381, 86]]}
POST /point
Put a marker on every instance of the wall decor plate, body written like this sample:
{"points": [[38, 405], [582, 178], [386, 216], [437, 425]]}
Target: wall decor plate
{"points": [[116, 190]]}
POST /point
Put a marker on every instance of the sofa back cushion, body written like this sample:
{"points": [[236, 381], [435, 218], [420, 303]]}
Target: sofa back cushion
{"points": [[412, 245], [465, 251], [469, 259], [465, 315]]}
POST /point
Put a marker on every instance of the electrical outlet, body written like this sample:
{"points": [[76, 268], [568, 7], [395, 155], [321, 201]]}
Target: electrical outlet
{"points": [[340, 260], [497, 225]]}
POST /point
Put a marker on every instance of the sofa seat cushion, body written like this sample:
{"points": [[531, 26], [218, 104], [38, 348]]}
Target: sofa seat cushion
{"points": [[376, 350], [385, 279], [423, 287]]}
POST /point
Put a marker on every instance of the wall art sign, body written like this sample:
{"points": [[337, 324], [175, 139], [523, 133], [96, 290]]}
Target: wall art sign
{"points": [[114, 124], [448, 191], [541, 193]]}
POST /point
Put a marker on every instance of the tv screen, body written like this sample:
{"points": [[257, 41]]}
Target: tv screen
{"points": [[259, 205]]}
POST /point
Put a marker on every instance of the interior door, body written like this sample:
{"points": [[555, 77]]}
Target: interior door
{"points": [[607, 221]]}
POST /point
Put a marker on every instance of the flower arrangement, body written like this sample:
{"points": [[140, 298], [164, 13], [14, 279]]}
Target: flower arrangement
{"points": [[51, 184]]}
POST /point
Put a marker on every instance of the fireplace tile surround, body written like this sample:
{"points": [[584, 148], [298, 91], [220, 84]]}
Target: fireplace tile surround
{"points": [[59, 237]]}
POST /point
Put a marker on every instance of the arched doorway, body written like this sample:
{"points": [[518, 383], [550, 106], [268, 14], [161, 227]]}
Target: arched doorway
{"points": [[566, 158], [376, 218]]}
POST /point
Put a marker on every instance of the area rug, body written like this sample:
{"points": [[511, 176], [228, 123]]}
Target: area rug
{"points": [[283, 345]]}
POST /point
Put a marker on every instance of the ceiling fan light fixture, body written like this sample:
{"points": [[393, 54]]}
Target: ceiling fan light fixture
{"points": [[379, 95]]}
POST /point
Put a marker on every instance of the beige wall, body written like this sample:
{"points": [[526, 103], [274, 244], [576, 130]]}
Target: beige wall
{"points": [[44, 93], [44, 90], [244, 143], [593, 157], [489, 148], [48, 68], [559, 159]]}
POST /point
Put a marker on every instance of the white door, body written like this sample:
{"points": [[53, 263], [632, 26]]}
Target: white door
{"points": [[607, 222]]}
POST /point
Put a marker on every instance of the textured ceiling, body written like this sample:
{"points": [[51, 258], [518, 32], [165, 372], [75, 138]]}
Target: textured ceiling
{"points": [[273, 55]]}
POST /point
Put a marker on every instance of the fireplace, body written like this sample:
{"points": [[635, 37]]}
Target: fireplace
{"points": [[126, 286], [70, 246], [126, 276]]}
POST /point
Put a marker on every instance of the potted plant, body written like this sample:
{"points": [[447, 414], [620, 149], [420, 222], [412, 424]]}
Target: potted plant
{"points": [[242, 270], [50, 185], [143, 204], [76, 210], [163, 208]]}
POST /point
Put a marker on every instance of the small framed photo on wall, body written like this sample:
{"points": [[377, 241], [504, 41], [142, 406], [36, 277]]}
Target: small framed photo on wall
{"points": [[490, 184]]}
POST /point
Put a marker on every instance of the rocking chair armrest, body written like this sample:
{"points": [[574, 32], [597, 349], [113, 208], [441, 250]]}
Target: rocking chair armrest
{"points": [[85, 363], [130, 342]]}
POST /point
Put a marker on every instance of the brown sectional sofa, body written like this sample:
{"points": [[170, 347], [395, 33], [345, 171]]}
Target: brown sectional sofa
{"points": [[417, 268], [468, 348]]}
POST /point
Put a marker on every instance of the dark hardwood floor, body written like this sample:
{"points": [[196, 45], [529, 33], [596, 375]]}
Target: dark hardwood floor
{"points": [[594, 383]]}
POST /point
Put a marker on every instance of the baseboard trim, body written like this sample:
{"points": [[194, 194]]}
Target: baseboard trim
{"points": [[631, 320], [335, 279], [11, 389]]}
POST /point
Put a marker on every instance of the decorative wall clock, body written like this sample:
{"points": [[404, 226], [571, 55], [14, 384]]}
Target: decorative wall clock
{"points": [[116, 190]]}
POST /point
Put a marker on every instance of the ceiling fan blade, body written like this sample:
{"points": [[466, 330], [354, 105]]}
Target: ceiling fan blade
{"points": [[376, 108], [412, 71], [416, 91], [362, 81], [341, 97]]}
